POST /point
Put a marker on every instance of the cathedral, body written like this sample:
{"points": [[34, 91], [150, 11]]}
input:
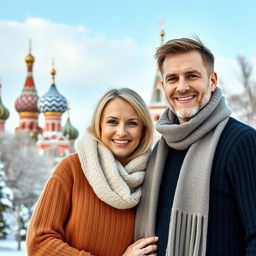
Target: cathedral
{"points": [[54, 139]]}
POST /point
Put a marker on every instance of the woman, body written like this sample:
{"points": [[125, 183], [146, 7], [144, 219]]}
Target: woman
{"points": [[88, 205]]}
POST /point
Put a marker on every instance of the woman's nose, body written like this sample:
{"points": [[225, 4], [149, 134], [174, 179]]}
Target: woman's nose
{"points": [[121, 130]]}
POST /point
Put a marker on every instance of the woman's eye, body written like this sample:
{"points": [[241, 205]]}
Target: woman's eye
{"points": [[132, 123], [112, 122]]}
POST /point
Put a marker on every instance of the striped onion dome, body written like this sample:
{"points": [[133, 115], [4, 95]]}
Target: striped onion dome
{"points": [[69, 130], [4, 112], [52, 101], [28, 100]]}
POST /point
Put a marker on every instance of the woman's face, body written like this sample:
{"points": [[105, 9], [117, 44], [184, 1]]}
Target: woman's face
{"points": [[121, 130]]}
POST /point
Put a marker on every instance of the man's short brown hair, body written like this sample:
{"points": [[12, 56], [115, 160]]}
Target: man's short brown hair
{"points": [[184, 45]]}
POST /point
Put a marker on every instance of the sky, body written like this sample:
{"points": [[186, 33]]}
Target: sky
{"points": [[99, 45]]}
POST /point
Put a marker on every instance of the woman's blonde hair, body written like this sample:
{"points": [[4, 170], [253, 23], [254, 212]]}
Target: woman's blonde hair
{"points": [[141, 110]]}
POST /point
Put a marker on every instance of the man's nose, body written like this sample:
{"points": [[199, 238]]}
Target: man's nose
{"points": [[183, 85]]}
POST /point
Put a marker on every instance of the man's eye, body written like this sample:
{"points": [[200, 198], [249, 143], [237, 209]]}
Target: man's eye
{"points": [[171, 79], [112, 122], [192, 76]]}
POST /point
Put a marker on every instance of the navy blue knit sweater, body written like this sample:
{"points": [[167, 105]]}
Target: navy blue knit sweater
{"points": [[232, 209]]}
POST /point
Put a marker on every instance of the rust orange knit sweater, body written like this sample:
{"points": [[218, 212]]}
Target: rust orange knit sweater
{"points": [[70, 220]]}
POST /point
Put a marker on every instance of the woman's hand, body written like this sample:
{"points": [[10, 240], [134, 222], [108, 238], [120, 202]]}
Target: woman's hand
{"points": [[142, 247]]}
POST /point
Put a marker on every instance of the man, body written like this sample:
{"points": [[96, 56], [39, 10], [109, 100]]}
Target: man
{"points": [[199, 194]]}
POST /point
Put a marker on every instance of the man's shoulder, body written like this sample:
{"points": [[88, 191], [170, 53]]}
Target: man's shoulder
{"points": [[236, 134], [160, 148], [237, 127]]}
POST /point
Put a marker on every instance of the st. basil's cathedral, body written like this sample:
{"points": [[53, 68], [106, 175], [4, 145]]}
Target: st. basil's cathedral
{"points": [[54, 139]]}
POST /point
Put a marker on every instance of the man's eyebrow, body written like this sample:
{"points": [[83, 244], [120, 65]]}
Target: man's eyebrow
{"points": [[170, 75], [193, 71]]}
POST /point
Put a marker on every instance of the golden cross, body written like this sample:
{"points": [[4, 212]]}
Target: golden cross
{"points": [[162, 23]]}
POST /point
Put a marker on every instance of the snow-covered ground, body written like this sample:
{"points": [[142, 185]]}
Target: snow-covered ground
{"points": [[9, 248]]}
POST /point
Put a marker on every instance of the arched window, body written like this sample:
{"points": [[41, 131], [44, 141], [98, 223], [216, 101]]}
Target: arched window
{"points": [[31, 126], [158, 95]]}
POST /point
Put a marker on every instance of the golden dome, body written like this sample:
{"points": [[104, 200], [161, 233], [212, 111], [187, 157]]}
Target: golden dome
{"points": [[29, 58], [162, 33], [53, 71]]}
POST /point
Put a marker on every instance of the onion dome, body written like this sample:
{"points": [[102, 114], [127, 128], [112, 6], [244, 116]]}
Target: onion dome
{"points": [[162, 34], [162, 37], [4, 112], [69, 130], [30, 59], [52, 101], [28, 100]]}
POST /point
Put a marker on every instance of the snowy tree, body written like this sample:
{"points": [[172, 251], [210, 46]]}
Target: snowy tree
{"points": [[244, 104], [25, 170], [5, 204], [26, 174]]}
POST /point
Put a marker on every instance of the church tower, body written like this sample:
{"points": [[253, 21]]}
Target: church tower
{"points": [[157, 103], [4, 112], [52, 104], [26, 104]]}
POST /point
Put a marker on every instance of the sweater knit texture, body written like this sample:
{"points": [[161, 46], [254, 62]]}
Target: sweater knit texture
{"points": [[166, 195], [82, 224]]}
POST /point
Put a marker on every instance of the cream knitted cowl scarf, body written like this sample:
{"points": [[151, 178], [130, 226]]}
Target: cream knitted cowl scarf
{"points": [[116, 185], [189, 214]]}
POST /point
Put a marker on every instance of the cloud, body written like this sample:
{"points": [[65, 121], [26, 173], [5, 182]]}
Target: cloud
{"points": [[87, 65]]}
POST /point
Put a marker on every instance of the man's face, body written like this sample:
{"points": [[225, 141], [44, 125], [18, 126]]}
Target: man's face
{"points": [[187, 84]]}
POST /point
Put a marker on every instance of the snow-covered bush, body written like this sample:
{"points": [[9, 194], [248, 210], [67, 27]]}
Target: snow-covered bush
{"points": [[6, 197]]}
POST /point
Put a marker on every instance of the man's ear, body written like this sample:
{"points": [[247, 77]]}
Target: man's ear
{"points": [[213, 81], [162, 83]]}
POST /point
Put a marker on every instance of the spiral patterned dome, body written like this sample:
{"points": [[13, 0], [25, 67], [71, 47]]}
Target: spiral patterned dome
{"points": [[4, 112], [52, 101], [69, 130]]}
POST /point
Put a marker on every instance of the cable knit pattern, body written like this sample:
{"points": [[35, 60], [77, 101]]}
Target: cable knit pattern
{"points": [[116, 185], [70, 220]]}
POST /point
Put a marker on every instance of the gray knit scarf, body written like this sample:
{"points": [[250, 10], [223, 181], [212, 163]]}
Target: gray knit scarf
{"points": [[116, 185], [189, 215]]}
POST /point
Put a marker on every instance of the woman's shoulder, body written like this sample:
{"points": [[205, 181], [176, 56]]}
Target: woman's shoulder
{"points": [[68, 169]]}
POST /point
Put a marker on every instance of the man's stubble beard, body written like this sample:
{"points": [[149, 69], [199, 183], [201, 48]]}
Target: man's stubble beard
{"points": [[196, 109]]}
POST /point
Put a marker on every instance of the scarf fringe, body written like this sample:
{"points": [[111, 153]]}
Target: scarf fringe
{"points": [[186, 234]]}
